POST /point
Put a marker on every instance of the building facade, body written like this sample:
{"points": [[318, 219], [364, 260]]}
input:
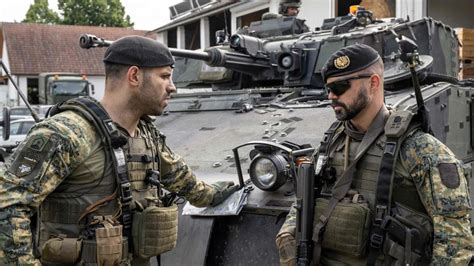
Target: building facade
{"points": [[28, 49]]}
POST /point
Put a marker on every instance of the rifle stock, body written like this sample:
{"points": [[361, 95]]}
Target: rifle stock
{"points": [[305, 213]]}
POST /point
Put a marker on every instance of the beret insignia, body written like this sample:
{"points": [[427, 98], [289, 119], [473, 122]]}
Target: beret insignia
{"points": [[342, 62]]}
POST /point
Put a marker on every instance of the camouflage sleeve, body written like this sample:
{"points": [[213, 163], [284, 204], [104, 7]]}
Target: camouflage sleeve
{"points": [[289, 226], [176, 176], [51, 149], [443, 189]]}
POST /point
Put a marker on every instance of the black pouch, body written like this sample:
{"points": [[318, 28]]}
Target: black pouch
{"points": [[408, 236]]}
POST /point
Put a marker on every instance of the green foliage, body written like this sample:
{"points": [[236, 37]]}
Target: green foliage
{"points": [[109, 13], [105, 13], [40, 13]]}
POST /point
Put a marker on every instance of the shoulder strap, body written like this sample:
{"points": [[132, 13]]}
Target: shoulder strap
{"points": [[323, 151], [396, 129], [343, 184], [90, 109]]}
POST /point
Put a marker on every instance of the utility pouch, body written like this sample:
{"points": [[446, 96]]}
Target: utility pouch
{"points": [[61, 250], [109, 243], [89, 252], [408, 236], [347, 229], [154, 230]]}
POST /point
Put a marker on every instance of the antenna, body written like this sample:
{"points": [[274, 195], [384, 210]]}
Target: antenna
{"points": [[406, 9], [226, 31], [32, 111]]}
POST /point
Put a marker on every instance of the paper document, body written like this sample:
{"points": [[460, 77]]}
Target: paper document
{"points": [[231, 206]]}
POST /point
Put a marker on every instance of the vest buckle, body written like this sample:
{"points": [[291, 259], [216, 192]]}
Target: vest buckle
{"points": [[380, 213], [126, 193], [376, 241]]}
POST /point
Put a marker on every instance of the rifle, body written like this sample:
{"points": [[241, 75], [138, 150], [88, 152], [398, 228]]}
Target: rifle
{"points": [[305, 205]]}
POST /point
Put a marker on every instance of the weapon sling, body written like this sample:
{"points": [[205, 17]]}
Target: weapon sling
{"points": [[344, 183]]}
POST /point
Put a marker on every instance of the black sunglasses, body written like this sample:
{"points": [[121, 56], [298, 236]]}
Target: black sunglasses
{"points": [[339, 87]]}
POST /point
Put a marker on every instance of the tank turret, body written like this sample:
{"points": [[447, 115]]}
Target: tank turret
{"points": [[296, 60]]}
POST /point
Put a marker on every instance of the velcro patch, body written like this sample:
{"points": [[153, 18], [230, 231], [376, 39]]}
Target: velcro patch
{"points": [[30, 157], [449, 175]]}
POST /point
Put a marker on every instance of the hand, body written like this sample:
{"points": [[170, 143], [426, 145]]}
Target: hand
{"points": [[286, 244], [223, 190]]}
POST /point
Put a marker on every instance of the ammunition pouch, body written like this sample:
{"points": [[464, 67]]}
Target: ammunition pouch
{"points": [[107, 247], [154, 230], [408, 237], [109, 244], [89, 252], [60, 250], [347, 229]]}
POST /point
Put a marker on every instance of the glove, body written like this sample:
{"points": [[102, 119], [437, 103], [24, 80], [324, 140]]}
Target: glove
{"points": [[286, 244], [223, 190]]}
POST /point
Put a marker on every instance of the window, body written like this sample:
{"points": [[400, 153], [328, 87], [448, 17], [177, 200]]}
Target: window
{"points": [[15, 128], [26, 127], [20, 111], [380, 8]]}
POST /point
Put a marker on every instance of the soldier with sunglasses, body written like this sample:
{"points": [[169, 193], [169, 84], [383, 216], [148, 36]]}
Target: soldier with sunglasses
{"points": [[391, 194]]}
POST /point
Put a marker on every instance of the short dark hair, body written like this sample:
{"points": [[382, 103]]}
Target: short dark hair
{"points": [[115, 70]]}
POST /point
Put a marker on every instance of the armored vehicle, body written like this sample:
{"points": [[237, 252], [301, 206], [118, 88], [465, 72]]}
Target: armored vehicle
{"points": [[256, 103]]}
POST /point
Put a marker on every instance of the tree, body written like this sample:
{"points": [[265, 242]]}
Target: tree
{"points": [[109, 13], [106, 13], [40, 13]]}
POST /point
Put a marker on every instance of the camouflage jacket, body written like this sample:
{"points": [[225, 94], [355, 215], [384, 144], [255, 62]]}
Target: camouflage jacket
{"points": [[51, 152], [446, 200]]}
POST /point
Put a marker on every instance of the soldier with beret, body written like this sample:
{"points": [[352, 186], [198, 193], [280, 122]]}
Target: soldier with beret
{"points": [[94, 172], [391, 194]]}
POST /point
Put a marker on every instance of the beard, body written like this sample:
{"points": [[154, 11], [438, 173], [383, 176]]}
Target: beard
{"points": [[347, 112], [147, 101]]}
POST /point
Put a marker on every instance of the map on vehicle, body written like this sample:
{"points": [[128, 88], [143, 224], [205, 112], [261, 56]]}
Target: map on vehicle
{"points": [[231, 206]]}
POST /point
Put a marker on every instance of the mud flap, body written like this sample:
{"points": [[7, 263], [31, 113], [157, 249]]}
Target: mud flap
{"points": [[194, 234]]}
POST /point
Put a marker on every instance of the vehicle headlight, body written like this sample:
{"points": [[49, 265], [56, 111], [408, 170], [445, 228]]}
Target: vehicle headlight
{"points": [[286, 61], [268, 171]]}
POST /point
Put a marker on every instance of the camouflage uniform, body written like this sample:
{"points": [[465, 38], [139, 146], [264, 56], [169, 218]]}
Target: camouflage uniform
{"points": [[445, 200], [52, 151]]}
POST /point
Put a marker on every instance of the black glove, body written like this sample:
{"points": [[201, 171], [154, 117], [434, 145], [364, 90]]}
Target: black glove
{"points": [[223, 190]]}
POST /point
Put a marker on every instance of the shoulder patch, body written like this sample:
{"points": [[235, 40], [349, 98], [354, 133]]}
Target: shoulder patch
{"points": [[29, 158], [449, 175], [37, 143]]}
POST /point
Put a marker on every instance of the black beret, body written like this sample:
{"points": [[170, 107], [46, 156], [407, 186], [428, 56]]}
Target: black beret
{"points": [[138, 51], [348, 60]]}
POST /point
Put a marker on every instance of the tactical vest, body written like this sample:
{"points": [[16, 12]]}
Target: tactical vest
{"points": [[95, 179], [367, 173], [364, 182]]}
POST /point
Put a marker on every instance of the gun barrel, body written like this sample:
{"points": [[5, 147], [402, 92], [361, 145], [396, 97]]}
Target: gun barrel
{"points": [[87, 41], [214, 57], [190, 54]]}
